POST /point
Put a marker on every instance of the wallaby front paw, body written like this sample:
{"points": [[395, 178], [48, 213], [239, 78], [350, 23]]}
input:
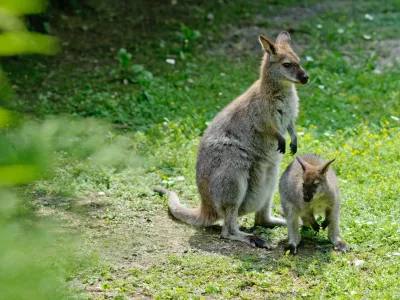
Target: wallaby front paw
{"points": [[341, 247], [293, 148], [281, 147], [291, 248]]}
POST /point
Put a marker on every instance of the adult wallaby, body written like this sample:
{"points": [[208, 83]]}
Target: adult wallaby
{"points": [[308, 187], [240, 152]]}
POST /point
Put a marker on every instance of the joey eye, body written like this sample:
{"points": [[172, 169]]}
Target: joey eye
{"points": [[287, 65]]}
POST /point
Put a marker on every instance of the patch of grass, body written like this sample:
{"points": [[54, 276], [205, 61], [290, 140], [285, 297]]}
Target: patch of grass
{"points": [[349, 111]]}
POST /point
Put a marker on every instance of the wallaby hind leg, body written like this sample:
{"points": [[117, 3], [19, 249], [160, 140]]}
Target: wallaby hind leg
{"points": [[334, 231], [229, 191], [231, 231], [264, 216]]}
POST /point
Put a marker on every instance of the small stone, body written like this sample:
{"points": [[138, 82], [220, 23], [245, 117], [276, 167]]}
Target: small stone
{"points": [[358, 262], [101, 194]]}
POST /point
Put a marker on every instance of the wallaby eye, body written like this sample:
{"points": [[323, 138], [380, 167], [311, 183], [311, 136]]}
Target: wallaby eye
{"points": [[287, 65]]}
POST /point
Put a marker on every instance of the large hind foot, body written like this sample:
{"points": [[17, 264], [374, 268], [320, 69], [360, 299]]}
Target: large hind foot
{"points": [[249, 239]]}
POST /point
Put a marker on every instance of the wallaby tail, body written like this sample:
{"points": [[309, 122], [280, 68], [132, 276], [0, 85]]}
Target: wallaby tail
{"points": [[194, 216]]}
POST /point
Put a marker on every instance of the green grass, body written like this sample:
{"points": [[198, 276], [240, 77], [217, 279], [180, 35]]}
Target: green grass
{"points": [[348, 111]]}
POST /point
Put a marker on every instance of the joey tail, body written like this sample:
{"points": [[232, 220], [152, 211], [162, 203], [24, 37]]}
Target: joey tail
{"points": [[197, 216]]}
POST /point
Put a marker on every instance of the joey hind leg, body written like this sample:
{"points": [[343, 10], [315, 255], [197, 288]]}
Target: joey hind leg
{"points": [[264, 216], [334, 231], [292, 218]]}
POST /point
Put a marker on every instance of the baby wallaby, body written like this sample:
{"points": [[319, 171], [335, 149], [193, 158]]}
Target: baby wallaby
{"points": [[309, 187], [240, 152]]}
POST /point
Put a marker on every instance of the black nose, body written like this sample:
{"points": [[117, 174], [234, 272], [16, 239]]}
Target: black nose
{"points": [[304, 78]]}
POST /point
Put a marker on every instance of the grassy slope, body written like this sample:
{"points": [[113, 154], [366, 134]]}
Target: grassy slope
{"points": [[346, 113]]}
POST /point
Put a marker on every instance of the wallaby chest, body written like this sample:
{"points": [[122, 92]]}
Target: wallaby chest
{"points": [[285, 108]]}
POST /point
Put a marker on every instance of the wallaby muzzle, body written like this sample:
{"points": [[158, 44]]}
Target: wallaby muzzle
{"points": [[303, 77]]}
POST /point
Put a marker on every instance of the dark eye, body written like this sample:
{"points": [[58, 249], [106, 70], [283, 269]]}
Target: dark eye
{"points": [[287, 65]]}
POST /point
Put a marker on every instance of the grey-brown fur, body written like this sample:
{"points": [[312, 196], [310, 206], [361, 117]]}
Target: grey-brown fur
{"points": [[240, 152], [309, 187]]}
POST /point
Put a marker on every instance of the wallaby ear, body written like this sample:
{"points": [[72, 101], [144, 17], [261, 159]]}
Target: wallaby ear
{"points": [[267, 45], [283, 38], [324, 168], [305, 165]]}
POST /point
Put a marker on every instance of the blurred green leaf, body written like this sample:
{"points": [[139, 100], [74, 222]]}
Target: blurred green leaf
{"points": [[124, 57], [9, 21], [137, 68], [18, 174], [23, 7], [5, 117], [15, 43]]}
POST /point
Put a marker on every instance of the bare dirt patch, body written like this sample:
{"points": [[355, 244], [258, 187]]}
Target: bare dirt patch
{"points": [[388, 52], [244, 39]]}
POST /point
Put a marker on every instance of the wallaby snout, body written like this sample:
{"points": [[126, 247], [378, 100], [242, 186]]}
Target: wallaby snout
{"points": [[303, 77]]}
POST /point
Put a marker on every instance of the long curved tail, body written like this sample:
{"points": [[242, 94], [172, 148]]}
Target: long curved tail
{"points": [[194, 216]]}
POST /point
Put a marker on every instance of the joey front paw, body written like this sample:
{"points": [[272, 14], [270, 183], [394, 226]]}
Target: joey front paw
{"points": [[315, 226], [293, 148], [325, 224]]}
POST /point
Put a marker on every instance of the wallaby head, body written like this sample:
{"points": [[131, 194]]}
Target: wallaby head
{"points": [[280, 61], [313, 177]]}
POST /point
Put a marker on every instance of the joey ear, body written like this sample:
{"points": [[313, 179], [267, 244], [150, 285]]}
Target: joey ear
{"points": [[324, 168], [305, 165], [267, 45], [283, 38]]}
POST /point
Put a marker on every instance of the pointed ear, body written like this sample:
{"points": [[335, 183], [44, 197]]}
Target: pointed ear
{"points": [[267, 45], [324, 168], [305, 165], [283, 38]]}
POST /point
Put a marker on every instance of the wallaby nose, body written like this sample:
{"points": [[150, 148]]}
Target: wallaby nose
{"points": [[304, 78]]}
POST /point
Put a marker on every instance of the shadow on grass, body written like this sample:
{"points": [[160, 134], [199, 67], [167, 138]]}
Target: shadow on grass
{"points": [[314, 250]]}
